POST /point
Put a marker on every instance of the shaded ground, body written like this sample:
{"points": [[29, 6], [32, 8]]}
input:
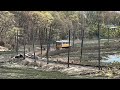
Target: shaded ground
{"points": [[16, 71], [21, 73]]}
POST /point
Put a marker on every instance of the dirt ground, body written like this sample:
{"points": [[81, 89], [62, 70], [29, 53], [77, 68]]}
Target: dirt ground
{"points": [[73, 70], [3, 48]]}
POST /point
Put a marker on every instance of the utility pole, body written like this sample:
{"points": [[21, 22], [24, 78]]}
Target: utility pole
{"points": [[69, 50]]}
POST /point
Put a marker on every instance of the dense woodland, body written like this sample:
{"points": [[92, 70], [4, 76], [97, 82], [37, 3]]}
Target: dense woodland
{"points": [[38, 25]]}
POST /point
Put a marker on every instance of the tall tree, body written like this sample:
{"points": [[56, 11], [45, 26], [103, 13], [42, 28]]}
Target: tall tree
{"points": [[82, 33], [7, 22]]}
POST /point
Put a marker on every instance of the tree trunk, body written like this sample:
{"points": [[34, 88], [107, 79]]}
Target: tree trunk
{"points": [[40, 40]]}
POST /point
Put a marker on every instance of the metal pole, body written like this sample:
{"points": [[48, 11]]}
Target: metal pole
{"points": [[24, 43], [82, 37], [17, 44], [41, 41], [82, 44], [33, 44], [49, 39], [108, 34], [47, 46], [73, 37], [69, 50], [99, 45]]}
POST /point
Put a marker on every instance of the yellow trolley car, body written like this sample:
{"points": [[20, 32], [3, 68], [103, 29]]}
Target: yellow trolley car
{"points": [[62, 44]]}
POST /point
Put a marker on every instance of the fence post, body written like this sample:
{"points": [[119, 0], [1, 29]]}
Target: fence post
{"points": [[69, 50], [99, 45], [47, 45], [17, 44]]}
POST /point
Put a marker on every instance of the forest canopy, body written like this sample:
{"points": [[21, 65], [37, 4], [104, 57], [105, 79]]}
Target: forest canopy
{"points": [[58, 22]]}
